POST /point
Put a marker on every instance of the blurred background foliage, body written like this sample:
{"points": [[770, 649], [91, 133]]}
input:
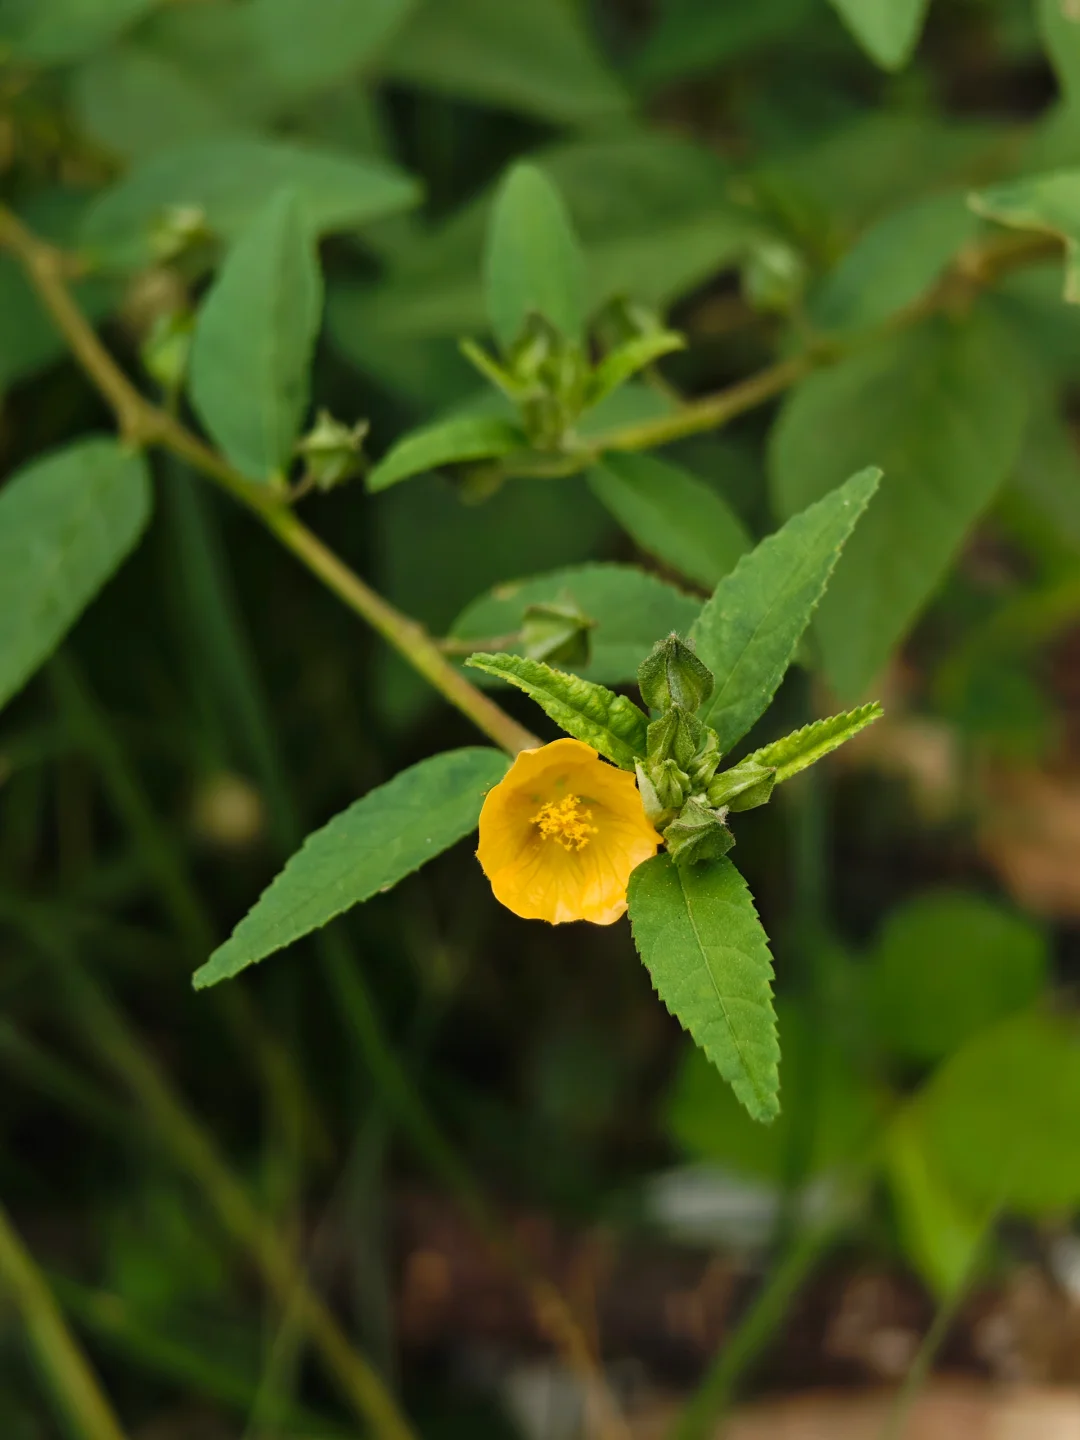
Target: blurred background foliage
{"points": [[766, 177]]}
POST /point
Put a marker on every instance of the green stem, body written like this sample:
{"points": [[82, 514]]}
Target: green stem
{"points": [[73, 1384]]}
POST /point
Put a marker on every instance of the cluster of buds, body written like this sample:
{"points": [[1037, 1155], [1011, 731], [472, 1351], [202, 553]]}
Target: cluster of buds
{"points": [[685, 797]]}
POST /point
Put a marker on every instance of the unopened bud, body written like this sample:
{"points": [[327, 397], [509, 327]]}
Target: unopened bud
{"points": [[675, 736], [743, 787], [671, 674], [332, 451], [697, 834], [702, 767]]}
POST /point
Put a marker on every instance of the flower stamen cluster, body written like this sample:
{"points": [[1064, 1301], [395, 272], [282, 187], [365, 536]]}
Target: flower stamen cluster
{"points": [[564, 821]]}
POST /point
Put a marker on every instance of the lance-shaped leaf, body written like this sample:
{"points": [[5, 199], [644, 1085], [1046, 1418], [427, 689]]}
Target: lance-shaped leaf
{"points": [[748, 631], [66, 522], [365, 850], [466, 437], [1050, 203], [254, 339], [813, 742], [610, 723], [699, 935]]}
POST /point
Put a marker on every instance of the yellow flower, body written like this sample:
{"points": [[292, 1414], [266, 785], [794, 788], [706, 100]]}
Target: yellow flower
{"points": [[560, 834]]}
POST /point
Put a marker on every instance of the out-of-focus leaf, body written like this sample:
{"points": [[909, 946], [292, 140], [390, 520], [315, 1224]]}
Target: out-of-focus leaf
{"points": [[215, 48], [469, 437], [610, 723], [653, 215], [254, 337], [532, 262], [66, 522], [941, 1235], [536, 58], [1041, 202], [627, 359], [888, 30], [1048, 472], [671, 514], [631, 610], [1001, 1117], [1060, 31], [951, 964], [748, 631], [313, 44], [940, 410], [694, 35], [700, 938], [55, 32], [229, 180], [136, 103], [894, 262], [362, 852]]}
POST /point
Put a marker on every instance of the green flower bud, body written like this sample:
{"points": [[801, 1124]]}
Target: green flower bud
{"points": [[702, 767], [697, 834], [663, 789], [675, 736], [557, 633], [671, 674], [743, 787], [331, 450]]}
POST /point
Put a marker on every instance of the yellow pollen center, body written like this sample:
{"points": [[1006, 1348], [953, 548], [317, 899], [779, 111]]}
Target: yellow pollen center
{"points": [[564, 821]]}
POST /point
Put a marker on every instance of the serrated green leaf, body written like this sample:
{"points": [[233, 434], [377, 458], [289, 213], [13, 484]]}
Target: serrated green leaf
{"points": [[468, 437], [888, 30], [55, 32], [66, 523], [629, 606], [254, 337], [813, 742], [1050, 203], [948, 965], [1002, 1115], [365, 850], [624, 362], [532, 262], [230, 180], [314, 44], [671, 514], [516, 54], [941, 410], [699, 935], [610, 723], [748, 632]]}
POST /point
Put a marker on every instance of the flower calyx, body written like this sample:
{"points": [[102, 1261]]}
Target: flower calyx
{"points": [[671, 674], [332, 451], [698, 833], [743, 787]]}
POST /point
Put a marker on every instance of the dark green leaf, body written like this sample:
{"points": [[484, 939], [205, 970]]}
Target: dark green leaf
{"points": [[747, 633], [948, 965], [888, 30], [536, 58], [698, 933], [610, 723], [66, 523], [469, 437], [813, 742], [630, 609], [54, 32], [691, 36], [532, 264], [941, 411], [230, 180], [364, 851], [311, 45], [254, 339], [1050, 203], [671, 514]]}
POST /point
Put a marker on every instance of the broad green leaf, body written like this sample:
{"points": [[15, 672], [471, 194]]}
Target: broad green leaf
{"points": [[894, 262], [515, 54], [1048, 470], [230, 180], [941, 411], [653, 214], [532, 263], [812, 743], [748, 632], [254, 338], [610, 723], [671, 514], [66, 523], [888, 30], [1002, 1116], [313, 44], [692, 36], [948, 965], [707, 1122], [55, 32], [698, 933], [364, 851], [941, 1234], [469, 437], [137, 103], [630, 608], [215, 48], [1050, 203]]}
